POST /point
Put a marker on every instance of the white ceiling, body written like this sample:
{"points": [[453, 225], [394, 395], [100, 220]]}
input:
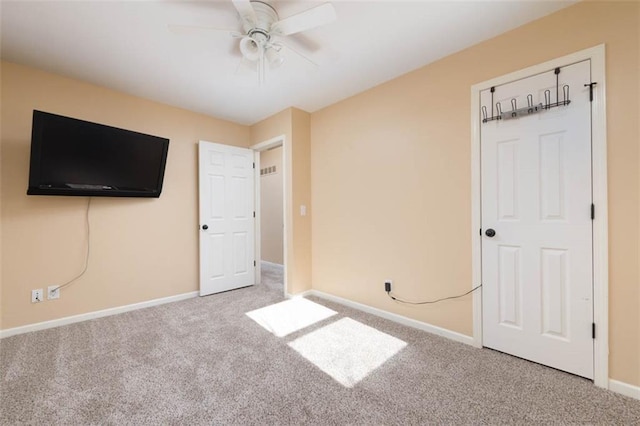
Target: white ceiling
{"points": [[127, 46]]}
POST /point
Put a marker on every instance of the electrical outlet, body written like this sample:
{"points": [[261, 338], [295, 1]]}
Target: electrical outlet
{"points": [[37, 296], [387, 285], [53, 292]]}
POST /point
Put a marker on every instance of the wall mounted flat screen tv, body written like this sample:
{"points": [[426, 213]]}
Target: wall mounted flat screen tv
{"points": [[76, 157]]}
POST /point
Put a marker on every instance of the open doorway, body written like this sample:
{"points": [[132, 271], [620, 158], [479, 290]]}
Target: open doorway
{"points": [[271, 218], [272, 192]]}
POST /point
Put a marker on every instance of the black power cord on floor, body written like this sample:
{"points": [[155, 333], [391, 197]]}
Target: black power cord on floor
{"points": [[430, 301]]}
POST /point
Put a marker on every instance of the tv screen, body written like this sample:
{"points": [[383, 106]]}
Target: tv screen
{"points": [[76, 157]]}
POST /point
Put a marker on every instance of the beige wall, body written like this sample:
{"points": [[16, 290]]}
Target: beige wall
{"points": [[271, 196], [1, 288], [294, 125], [301, 189], [141, 249], [391, 180]]}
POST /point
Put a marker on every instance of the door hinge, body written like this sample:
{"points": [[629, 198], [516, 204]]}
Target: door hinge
{"points": [[481, 232], [254, 214], [593, 211], [593, 330], [591, 90], [254, 165], [254, 263]]}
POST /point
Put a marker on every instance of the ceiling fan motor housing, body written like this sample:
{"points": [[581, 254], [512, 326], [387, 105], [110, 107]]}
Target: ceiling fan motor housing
{"points": [[266, 16]]}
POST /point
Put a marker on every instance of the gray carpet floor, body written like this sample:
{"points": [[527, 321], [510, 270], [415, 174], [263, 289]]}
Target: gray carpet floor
{"points": [[204, 361], [272, 276]]}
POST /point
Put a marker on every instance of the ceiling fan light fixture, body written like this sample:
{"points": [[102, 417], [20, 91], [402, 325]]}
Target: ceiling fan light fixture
{"points": [[251, 49], [274, 58]]}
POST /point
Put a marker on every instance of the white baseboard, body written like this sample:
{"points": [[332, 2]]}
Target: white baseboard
{"points": [[93, 315], [458, 337], [302, 294], [624, 389], [272, 263]]}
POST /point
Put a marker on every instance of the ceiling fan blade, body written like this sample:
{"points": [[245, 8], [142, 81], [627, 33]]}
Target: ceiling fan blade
{"points": [[246, 12], [311, 18], [190, 29], [304, 43], [306, 58]]}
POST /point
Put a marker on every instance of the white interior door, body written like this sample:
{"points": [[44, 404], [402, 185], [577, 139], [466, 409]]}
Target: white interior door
{"points": [[227, 234], [536, 195]]}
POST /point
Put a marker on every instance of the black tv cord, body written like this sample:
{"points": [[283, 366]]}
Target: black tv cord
{"points": [[432, 301]]}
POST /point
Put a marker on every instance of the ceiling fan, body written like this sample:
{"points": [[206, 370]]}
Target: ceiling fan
{"points": [[263, 30]]}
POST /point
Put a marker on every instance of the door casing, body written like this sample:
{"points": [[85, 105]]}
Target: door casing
{"points": [[600, 224]]}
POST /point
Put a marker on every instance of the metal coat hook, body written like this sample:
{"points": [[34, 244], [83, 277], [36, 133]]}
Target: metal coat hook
{"points": [[547, 99], [530, 108]]}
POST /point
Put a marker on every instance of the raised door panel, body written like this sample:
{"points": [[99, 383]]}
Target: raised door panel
{"points": [[509, 286]]}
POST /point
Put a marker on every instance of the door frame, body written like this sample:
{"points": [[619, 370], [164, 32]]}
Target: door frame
{"points": [[599, 192], [287, 200]]}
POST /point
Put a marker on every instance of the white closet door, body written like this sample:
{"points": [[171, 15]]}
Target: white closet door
{"points": [[536, 196]]}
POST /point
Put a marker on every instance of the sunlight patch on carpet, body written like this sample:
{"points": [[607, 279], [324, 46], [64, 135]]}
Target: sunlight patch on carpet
{"points": [[347, 350], [289, 316]]}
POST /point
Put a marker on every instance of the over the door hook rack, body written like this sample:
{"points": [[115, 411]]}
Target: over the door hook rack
{"points": [[530, 108]]}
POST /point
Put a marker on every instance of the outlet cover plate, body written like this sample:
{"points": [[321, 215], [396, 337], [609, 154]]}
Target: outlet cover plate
{"points": [[37, 296], [53, 292]]}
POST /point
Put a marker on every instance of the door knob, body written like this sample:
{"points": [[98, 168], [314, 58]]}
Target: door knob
{"points": [[205, 227], [489, 233]]}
